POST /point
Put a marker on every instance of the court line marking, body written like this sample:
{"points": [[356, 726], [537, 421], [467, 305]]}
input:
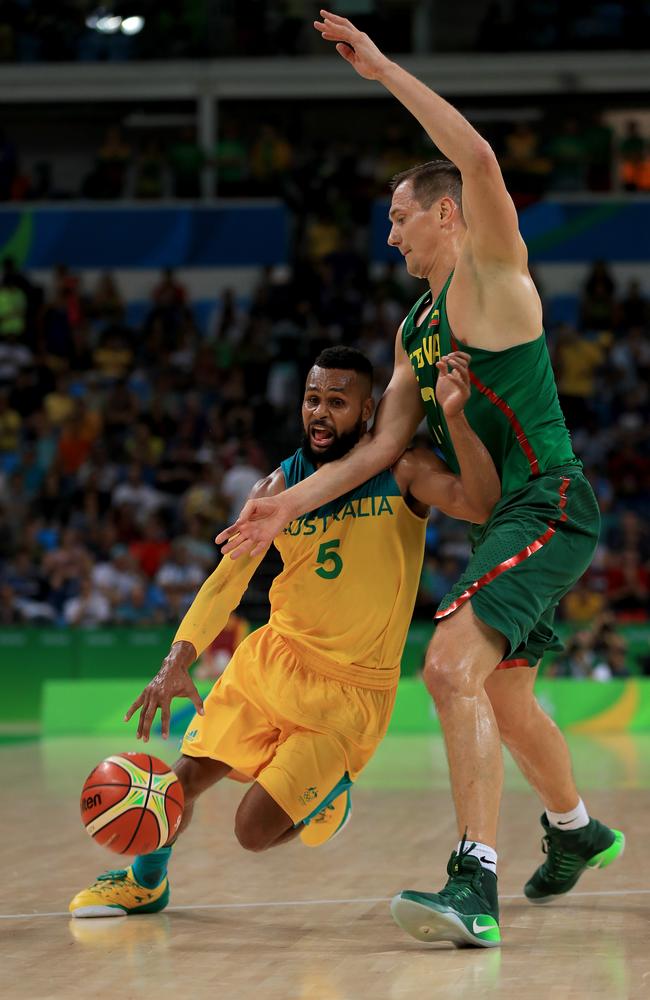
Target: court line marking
{"points": [[315, 902]]}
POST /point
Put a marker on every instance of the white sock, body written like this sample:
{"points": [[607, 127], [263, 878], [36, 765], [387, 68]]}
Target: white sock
{"points": [[486, 855], [571, 820]]}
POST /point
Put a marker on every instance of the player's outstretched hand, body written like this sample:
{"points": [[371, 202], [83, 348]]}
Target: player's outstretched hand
{"points": [[171, 681], [355, 46], [255, 528], [453, 387]]}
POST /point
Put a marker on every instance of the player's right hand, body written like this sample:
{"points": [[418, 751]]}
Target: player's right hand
{"points": [[353, 45], [171, 681], [260, 521]]}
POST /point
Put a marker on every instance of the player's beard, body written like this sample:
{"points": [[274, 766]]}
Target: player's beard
{"points": [[340, 446]]}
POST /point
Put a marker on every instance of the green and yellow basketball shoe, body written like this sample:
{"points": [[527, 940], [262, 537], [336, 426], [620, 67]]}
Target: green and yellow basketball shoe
{"points": [[568, 854], [328, 822], [465, 912], [117, 894]]}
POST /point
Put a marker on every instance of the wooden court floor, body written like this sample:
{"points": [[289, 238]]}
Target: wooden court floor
{"points": [[299, 923]]}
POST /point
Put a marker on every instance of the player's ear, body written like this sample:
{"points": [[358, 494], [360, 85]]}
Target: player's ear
{"points": [[367, 409]]}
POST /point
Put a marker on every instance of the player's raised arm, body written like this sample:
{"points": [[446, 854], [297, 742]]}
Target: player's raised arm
{"points": [[398, 415], [488, 209], [471, 496], [205, 619]]}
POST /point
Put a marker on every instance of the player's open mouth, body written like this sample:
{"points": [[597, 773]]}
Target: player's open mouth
{"points": [[321, 437]]}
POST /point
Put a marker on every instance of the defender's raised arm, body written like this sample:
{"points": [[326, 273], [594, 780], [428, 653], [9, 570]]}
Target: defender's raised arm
{"points": [[488, 209]]}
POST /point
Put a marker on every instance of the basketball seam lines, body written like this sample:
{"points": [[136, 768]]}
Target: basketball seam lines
{"points": [[144, 811]]}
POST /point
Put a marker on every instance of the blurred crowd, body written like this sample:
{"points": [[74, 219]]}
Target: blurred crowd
{"points": [[33, 31], [123, 451], [570, 153]]}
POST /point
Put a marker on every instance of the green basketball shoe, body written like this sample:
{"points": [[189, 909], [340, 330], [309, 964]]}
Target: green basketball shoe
{"points": [[465, 912], [568, 854]]}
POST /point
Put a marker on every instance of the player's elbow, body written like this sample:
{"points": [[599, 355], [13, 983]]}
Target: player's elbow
{"points": [[481, 158], [482, 511]]}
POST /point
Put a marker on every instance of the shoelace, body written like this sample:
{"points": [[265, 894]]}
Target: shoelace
{"points": [[461, 882], [117, 875], [560, 864]]}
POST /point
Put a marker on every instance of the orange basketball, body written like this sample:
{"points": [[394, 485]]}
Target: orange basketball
{"points": [[132, 803]]}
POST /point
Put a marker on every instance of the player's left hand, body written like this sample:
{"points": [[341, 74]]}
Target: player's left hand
{"points": [[353, 45], [453, 387]]}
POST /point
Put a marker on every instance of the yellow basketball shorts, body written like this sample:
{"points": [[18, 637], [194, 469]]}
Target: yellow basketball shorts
{"points": [[303, 736]]}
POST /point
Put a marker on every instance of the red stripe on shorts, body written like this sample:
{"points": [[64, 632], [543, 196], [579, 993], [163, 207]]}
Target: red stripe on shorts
{"points": [[506, 664], [509, 413], [513, 560]]}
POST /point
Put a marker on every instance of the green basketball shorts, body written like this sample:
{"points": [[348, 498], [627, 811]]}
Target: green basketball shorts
{"points": [[537, 543]]}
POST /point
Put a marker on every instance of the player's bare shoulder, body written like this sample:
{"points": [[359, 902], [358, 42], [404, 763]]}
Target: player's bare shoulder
{"points": [[493, 305], [269, 486]]}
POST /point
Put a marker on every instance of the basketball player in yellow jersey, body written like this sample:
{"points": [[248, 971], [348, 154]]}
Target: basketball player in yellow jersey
{"points": [[307, 698]]}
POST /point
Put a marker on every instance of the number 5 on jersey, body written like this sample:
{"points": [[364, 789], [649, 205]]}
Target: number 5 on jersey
{"points": [[332, 564]]}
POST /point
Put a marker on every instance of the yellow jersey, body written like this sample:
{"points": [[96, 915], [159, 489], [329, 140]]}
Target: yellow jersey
{"points": [[345, 597]]}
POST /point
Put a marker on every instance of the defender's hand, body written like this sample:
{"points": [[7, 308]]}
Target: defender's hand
{"points": [[255, 528], [355, 46], [171, 681], [453, 387]]}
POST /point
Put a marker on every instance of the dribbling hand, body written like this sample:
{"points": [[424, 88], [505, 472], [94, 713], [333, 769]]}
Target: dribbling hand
{"points": [[171, 681]]}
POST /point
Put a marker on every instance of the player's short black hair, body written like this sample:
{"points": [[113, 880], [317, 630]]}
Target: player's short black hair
{"points": [[347, 359], [431, 181]]}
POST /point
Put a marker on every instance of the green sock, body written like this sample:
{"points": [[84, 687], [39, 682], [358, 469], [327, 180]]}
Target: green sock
{"points": [[150, 869]]}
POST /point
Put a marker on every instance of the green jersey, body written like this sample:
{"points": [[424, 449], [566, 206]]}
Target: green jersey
{"points": [[513, 408]]}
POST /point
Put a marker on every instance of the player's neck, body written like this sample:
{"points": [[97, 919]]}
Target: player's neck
{"points": [[443, 265]]}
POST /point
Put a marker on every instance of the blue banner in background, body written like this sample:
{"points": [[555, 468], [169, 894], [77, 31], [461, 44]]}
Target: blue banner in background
{"points": [[558, 231], [133, 237]]}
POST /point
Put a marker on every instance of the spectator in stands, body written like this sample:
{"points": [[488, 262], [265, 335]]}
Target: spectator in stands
{"points": [[113, 356], [628, 583], [569, 157], [634, 309], [13, 307], [89, 608], [238, 481], [598, 299], [106, 302], [144, 606], [137, 493], [10, 613], [270, 158], [10, 426], [231, 161], [186, 160], [117, 577], [7, 166], [598, 138], [634, 163], [152, 547], [113, 159], [179, 578], [149, 179], [525, 168], [577, 361]]}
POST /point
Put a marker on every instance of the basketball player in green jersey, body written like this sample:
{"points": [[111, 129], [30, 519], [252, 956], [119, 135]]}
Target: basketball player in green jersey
{"points": [[456, 226]]}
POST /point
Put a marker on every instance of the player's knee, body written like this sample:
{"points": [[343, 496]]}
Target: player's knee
{"points": [[444, 679], [251, 834], [191, 772]]}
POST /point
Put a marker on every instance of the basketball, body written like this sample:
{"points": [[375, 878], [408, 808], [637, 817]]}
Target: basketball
{"points": [[132, 803]]}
